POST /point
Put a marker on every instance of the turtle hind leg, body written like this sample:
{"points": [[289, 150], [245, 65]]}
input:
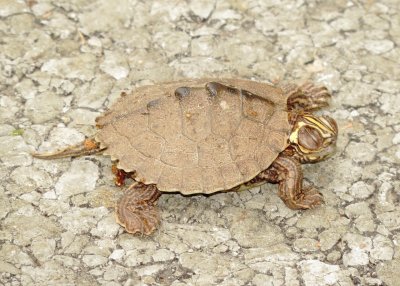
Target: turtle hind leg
{"points": [[287, 172], [137, 211], [307, 97], [88, 147]]}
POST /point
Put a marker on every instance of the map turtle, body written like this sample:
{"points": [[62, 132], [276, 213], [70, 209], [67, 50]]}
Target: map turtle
{"points": [[205, 136]]}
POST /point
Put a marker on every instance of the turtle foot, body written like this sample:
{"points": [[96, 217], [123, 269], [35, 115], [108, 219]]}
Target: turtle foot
{"points": [[308, 97], [308, 198], [136, 211]]}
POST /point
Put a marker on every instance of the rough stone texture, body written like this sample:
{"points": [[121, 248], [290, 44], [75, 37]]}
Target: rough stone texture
{"points": [[62, 63]]}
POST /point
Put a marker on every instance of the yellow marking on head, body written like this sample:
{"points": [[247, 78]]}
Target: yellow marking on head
{"points": [[294, 136], [324, 126], [318, 122]]}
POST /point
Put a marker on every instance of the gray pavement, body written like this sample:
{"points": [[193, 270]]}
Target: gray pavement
{"points": [[62, 63]]}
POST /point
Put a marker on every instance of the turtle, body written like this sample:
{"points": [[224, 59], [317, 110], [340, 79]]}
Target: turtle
{"points": [[202, 136]]}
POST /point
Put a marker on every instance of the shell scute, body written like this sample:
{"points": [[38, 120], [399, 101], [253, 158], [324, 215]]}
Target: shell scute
{"points": [[213, 151], [231, 175], [257, 108], [150, 144], [193, 181], [239, 146], [276, 139], [164, 117], [195, 115], [224, 114], [170, 179], [248, 166], [180, 152], [212, 179]]}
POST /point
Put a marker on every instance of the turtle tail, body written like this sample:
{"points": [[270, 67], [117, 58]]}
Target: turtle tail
{"points": [[88, 147]]}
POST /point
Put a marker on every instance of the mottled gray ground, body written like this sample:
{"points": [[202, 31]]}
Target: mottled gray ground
{"points": [[64, 62]]}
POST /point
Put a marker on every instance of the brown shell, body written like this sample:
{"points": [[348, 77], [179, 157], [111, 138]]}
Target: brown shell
{"points": [[198, 136]]}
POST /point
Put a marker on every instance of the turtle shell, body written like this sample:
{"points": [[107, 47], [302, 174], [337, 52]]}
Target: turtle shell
{"points": [[196, 136]]}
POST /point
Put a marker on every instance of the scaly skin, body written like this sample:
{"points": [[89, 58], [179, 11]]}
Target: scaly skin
{"points": [[288, 173], [307, 97], [136, 211]]}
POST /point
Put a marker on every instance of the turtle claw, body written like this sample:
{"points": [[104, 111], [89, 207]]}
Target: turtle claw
{"points": [[309, 198], [136, 211], [87, 147]]}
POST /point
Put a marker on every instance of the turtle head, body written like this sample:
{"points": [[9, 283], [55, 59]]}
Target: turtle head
{"points": [[313, 137]]}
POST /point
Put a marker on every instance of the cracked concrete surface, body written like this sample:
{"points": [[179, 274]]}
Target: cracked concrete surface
{"points": [[62, 63]]}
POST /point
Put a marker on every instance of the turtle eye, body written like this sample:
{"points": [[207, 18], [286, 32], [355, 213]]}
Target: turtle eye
{"points": [[310, 138]]}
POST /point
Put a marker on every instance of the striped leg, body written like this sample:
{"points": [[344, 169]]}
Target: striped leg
{"points": [[307, 97], [288, 173], [136, 211]]}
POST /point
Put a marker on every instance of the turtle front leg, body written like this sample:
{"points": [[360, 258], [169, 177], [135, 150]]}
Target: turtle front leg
{"points": [[137, 211], [307, 97], [287, 172]]}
